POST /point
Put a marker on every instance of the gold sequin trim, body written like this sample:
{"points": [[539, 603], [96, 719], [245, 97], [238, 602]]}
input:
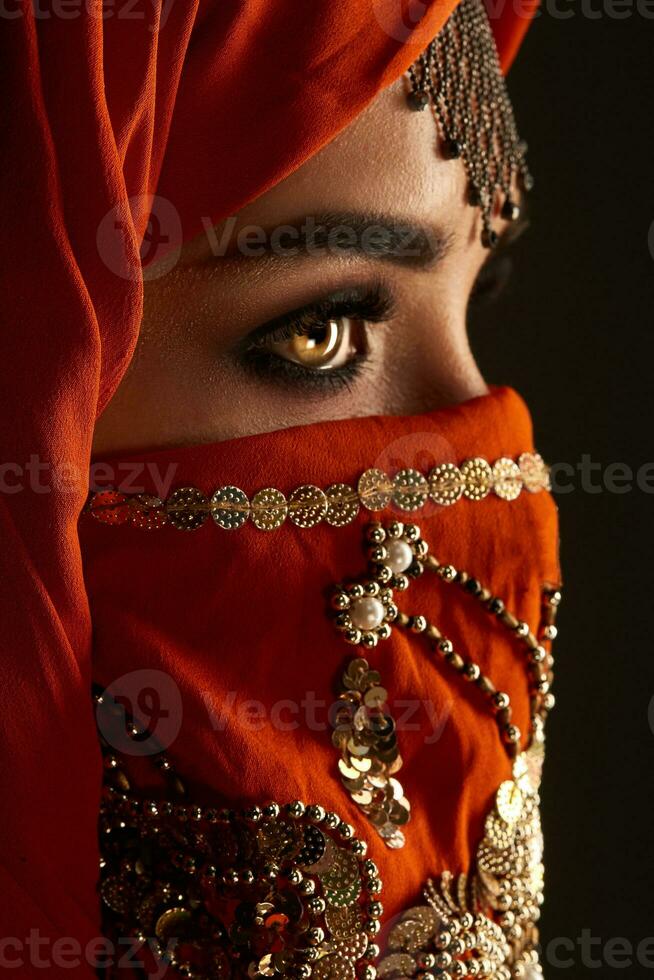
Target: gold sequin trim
{"points": [[409, 490], [483, 924], [365, 734]]}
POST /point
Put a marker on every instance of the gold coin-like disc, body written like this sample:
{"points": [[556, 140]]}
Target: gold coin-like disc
{"points": [[477, 478], [148, 512], [410, 490], [187, 509], [446, 484], [343, 503], [509, 802], [345, 922], [269, 509], [230, 508], [535, 474], [507, 479], [333, 967], [375, 489], [308, 506]]}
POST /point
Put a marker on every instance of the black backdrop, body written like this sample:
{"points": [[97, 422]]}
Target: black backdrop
{"points": [[573, 334]]}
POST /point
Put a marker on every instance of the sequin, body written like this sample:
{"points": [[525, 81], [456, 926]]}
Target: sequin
{"points": [[110, 507], [477, 478], [410, 490], [446, 484], [375, 489], [147, 512], [187, 509], [308, 506], [207, 907], [506, 881], [269, 509], [343, 504], [507, 479], [535, 473], [230, 508]]}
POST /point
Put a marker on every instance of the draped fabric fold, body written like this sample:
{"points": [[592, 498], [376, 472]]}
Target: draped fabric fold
{"points": [[204, 105]]}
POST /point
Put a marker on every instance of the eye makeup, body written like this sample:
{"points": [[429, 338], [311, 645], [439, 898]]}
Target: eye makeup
{"points": [[269, 350]]}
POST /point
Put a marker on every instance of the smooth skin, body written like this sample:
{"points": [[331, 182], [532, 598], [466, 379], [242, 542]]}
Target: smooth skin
{"points": [[199, 374]]}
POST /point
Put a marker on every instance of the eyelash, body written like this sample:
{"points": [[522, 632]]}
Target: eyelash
{"points": [[372, 304]]}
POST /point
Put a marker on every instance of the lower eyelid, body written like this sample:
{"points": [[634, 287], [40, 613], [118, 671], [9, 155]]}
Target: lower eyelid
{"points": [[290, 374]]}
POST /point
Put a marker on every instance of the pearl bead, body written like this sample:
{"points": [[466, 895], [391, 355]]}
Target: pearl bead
{"points": [[400, 556], [367, 613]]}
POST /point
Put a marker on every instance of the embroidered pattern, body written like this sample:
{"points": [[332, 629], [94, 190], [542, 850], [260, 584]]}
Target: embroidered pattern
{"points": [[272, 891], [483, 924]]}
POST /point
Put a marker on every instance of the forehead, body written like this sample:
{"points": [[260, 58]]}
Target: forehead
{"points": [[386, 160]]}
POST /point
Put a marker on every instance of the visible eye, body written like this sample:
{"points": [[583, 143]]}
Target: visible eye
{"points": [[324, 346], [321, 347]]}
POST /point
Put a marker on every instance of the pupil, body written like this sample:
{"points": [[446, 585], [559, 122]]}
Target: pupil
{"points": [[318, 335]]}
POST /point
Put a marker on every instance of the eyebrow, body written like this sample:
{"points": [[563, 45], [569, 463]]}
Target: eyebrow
{"points": [[383, 238]]}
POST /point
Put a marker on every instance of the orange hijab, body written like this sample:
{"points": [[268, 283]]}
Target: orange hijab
{"points": [[206, 104]]}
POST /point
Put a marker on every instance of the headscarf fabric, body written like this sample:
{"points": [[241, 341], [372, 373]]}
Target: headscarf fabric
{"points": [[107, 108]]}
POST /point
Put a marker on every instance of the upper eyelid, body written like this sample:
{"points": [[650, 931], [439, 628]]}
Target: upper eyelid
{"points": [[375, 301]]}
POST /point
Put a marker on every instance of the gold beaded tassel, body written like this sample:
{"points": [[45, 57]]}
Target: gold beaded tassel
{"points": [[460, 75]]}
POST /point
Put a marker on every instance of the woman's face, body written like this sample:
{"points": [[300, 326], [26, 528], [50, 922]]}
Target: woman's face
{"points": [[341, 292]]}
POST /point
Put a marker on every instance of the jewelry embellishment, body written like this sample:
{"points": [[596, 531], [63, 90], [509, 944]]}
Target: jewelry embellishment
{"points": [[446, 484], [507, 481], [534, 471], [188, 508], [366, 609], [343, 504], [269, 509], [410, 490], [375, 489], [230, 508], [308, 505], [365, 734], [483, 924], [365, 613], [460, 77], [477, 478], [263, 892]]}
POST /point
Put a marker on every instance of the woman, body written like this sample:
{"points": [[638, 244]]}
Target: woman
{"points": [[301, 397]]}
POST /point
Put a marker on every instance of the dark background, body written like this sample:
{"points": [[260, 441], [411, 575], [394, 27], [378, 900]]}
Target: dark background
{"points": [[573, 333]]}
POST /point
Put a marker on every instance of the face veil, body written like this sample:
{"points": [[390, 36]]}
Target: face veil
{"points": [[219, 600], [123, 113]]}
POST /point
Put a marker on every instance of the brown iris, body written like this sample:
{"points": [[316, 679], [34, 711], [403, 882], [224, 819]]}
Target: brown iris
{"points": [[325, 346]]}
